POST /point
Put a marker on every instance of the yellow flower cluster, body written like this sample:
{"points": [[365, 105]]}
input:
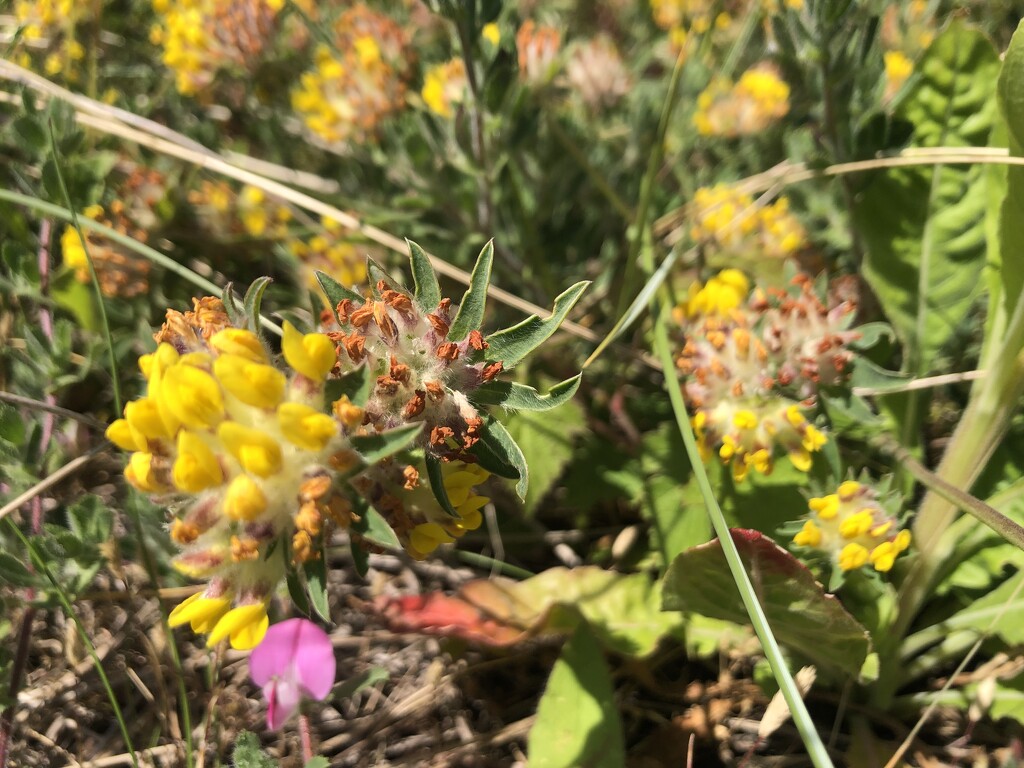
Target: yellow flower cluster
{"points": [[220, 423], [727, 220], [332, 251], [443, 86], [201, 37], [853, 528], [48, 31], [746, 107], [357, 83], [752, 362]]}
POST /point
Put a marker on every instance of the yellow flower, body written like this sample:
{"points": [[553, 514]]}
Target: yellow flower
{"points": [[201, 612], [491, 33], [196, 467], [305, 427], [312, 355], [255, 450], [245, 626], [244, 499]]}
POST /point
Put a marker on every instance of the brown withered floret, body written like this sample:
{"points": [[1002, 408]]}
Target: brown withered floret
{"points": [[415, 405], [439, 436], [302, 548], [448, 351], [354, 345], [412, 477], [183, 533], [398, 301], [360, 318], [347, 413], [436, 390], [314, 488], [345, 309], [476, 341], [308, 518], [438, 324], [444, 306], [387, 326], [387, 385], [399, 371], [492, 370]]}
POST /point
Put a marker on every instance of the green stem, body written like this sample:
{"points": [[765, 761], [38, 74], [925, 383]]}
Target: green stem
{"points": [[801, 718], [111, 359]]}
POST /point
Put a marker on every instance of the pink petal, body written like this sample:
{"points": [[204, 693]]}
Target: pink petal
{"points": [[282, 701], [315, 665]]}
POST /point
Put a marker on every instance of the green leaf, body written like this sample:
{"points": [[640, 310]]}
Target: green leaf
{"points": [[871, 376], [32, 132], [436, 475], [471, 310], [1010, 90], [498, 453], [253, 300], [14, 573], [520, 397], [316, 586], [357, 384], [577, 723], [318, 762], [925, 227], [372, 526], [377, 273], [802, 616], [335, 291], [380, 445], [428, 292], [1000, 612], [234, 312], [90, 519], [248, 754], [511, 345], [547, 442], [360, 682]]}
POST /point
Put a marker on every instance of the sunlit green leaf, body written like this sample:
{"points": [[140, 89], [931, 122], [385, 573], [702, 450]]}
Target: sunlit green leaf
{"points": [[520, 397], [428, 292], [512, 344], [471, 311]]}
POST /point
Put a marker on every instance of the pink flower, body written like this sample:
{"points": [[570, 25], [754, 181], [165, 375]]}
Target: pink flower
{"points": [[295, 659]]}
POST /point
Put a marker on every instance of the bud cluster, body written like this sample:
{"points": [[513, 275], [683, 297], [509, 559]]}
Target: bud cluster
{"points": [[753, 363], [853, 529]]}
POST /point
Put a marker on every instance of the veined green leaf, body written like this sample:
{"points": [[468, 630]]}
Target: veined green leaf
{"points": [[436, 476], [498, 453], [253, 300], [428, 292], [577, 721], [373, 448], [471, 310], [925, 227], [512, 344], [520, 397], [335, 291]]}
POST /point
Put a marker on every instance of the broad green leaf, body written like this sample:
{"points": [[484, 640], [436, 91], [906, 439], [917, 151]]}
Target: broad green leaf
{"points": [[248, 754], [520, 397], [436, 476], [671, 498], [471, 310], [1010, 88], [512, 344], [428, 292], [802, 616], [547, 441], [1000, 612], [578, 723], [252, 302], [335, 291], [499, 454], [372, 526], [924, 227], [372, 448]]}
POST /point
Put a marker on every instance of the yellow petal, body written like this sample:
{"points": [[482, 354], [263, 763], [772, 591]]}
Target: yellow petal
{"points": [[306, 427], [122, 435], [245, 626], [197, 467], [193, 396], [238, 341], [244, 499], [256, 451], [199, 611], [311, 355], [254, 384]]}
